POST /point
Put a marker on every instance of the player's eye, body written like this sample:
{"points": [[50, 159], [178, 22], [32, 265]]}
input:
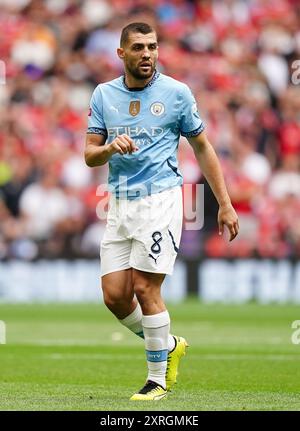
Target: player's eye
{"points": [[153, 47], [137, 47]]}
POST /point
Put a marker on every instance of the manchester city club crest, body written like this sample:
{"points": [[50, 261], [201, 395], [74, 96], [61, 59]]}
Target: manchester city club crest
{"points": [[157, 108], [134, 107]]}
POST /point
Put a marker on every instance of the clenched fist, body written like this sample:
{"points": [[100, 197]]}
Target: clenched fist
{"points": [[123, 144]]}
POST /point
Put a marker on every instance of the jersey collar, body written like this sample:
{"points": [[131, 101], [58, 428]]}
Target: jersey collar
{"points": [[150, 83]]}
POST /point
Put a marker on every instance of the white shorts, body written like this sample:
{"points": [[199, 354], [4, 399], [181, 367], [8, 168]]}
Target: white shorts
{"points": [[143, 234]]}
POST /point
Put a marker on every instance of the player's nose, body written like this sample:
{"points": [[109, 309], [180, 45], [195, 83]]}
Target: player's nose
{"points": [[146, 54]]}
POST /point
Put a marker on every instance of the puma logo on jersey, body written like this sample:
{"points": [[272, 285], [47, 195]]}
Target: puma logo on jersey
{"points": [[113, 108]]}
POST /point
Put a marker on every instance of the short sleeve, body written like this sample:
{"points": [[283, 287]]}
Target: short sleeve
{"points": [[191, 123], [96, 122]]}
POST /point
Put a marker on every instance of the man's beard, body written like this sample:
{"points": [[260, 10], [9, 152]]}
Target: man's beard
{"points": [[137, 73]]}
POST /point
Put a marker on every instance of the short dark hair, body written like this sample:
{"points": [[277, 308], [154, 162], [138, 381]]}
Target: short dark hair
{"points": [[135, 27]]}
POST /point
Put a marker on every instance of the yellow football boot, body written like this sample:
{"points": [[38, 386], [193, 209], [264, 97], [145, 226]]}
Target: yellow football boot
{"points": [[150, 392], [173, 361]]}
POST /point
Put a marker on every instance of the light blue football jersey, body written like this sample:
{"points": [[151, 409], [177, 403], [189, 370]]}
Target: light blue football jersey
{"points": [[154, 117]]}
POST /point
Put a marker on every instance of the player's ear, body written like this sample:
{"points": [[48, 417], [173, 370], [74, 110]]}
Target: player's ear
{"points": [[120, 52]]}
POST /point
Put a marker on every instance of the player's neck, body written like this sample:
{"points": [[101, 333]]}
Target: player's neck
{"points": [[132, 82]]}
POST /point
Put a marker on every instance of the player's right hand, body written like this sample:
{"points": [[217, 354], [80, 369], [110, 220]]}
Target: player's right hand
{"points": [[123, 144]]}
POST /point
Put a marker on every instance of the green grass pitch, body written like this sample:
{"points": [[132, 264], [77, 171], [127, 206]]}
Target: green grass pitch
{"points": [[78, 357]]}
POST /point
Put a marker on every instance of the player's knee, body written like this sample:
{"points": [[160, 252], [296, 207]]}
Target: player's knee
{"points": [[141, 291], [147, 293], [113, 299]]}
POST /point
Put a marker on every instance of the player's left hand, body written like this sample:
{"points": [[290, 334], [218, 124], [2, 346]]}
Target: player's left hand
{"points": [[228, 217]]}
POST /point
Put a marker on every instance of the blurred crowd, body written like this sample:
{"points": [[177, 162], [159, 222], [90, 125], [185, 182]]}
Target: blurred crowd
{"points": [[238, 57]]}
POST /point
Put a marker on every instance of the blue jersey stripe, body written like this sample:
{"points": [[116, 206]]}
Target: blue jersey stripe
{"points": [[97, 131], [193, 132]]}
